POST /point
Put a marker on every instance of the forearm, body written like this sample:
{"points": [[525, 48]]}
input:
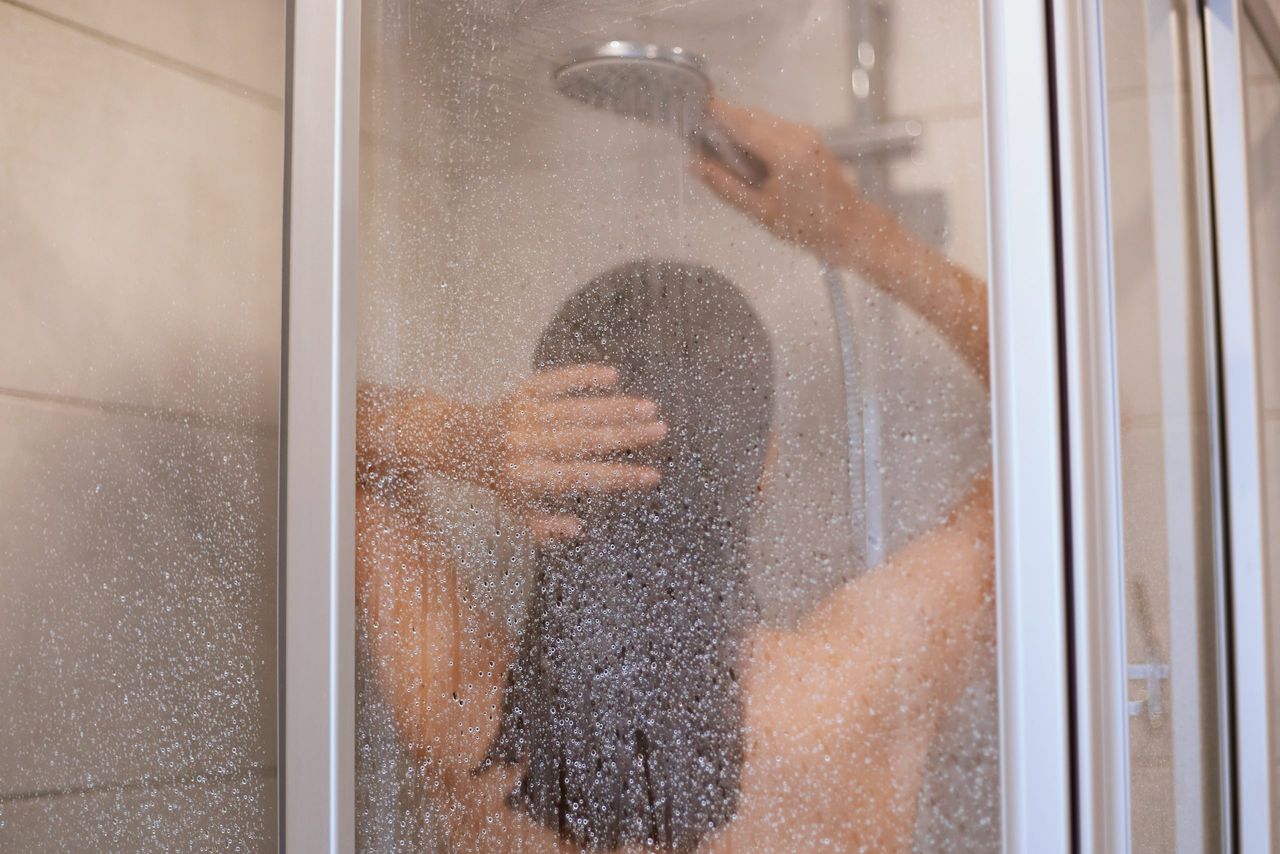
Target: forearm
{"points": [[439, 673], [887, 254], [436, 677], [403, 433]]}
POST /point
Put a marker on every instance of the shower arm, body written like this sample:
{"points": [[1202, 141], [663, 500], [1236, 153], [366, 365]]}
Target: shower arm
{"points": [[869, 135], [873, 137], [851, 143]]}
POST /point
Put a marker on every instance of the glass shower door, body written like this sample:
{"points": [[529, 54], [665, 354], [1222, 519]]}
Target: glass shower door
{"points": [[673, 517], [1162, 293]]}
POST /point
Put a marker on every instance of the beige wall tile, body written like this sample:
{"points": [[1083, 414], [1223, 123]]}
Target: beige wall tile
{"points": [[240, 40], [137, 616], [219, 815], [934, 57], [951, 160], [140, 223], [1258, 67]]}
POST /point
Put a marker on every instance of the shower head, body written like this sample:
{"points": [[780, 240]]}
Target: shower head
{"points": [[665, 86]]}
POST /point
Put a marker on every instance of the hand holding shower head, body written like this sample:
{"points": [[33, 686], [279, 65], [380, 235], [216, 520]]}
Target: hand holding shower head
{"points": [[666, 86]]}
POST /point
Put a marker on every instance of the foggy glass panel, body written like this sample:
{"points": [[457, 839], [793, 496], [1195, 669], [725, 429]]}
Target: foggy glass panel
{"points": [[1262, 105], [673, 430], [140, 246], [1165, 439]]}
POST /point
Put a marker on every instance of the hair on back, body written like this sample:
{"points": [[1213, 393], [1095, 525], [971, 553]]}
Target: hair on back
{"points": [[624, 700]]}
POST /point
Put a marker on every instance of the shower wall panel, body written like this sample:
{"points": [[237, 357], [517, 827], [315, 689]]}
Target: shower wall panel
{"points": [[140, 223]]}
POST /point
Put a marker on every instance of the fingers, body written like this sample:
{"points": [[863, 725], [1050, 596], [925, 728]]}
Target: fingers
{"points": [[545, 526], [553, 443], [750, 200], [551, 477], [755, 130], [581, 442], [596, 411], [561, 381], [781, 144]]}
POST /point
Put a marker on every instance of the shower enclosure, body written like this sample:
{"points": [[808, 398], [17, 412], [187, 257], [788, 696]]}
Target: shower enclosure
{"points": [[836, 425]]}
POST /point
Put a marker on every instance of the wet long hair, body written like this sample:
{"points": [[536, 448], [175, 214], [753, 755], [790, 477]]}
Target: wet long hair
{"points": [[624, 702]]}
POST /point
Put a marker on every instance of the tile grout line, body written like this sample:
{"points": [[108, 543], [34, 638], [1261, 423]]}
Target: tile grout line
{"points": [[226, 84], [185, 418], [248, 772]]}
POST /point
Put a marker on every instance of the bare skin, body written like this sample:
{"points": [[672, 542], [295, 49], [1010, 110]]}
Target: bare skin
{"points": [[538, 441], [840, 710], [808, 201]]}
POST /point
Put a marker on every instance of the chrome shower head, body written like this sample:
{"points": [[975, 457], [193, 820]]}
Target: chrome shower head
{"points": [[665, 86], [661, 85]]}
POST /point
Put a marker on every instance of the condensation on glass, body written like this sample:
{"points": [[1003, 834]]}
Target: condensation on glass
{"points": [[673, 507], [1262, 106], [1165, 430], [140, 211]]}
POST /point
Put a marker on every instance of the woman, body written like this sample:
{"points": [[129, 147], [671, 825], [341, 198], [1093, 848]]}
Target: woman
{"points": [[824, 739]]}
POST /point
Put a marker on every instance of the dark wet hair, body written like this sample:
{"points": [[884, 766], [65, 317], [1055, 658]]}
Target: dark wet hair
{"points": [[624, 701]]}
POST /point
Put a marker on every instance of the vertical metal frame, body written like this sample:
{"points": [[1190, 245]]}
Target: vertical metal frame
{"points": [[1032, 600], [1092, 417], [318, 505], [1197, 570], [1204, 188], [1252, 665]]}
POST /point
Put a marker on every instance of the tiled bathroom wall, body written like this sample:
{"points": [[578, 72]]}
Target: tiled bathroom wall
{"points": [[140, 233]]}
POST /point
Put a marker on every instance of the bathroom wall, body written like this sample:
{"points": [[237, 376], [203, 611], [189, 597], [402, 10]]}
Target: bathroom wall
{"points": [[140, 234]]}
